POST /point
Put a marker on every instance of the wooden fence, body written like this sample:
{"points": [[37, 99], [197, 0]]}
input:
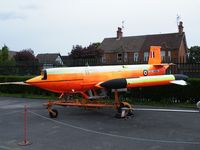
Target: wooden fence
{"points": [[190, 69]]}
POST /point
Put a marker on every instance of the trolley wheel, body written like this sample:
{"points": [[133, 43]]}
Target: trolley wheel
{"points": [[198, 105], [53, 113], [124, 111]]}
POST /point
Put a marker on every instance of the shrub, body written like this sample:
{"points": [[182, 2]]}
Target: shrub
{"points": [[20, 88], [163, 94]]}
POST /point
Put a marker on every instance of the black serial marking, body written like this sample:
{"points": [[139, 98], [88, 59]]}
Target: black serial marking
{"points": [[153, 71]]}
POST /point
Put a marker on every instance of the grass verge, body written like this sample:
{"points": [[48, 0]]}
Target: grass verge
{"points": [[139, 102], [31, 96]]}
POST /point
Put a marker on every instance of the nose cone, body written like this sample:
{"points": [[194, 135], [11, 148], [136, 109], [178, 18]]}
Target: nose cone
{"points": [[34, 80]]}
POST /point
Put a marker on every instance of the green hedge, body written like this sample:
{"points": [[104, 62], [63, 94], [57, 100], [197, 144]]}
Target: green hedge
{"points": [[21, 89], [5, 78], [169, 93]]}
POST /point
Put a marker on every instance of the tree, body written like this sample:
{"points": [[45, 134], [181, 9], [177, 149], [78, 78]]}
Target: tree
{"points": [[4, 53], [26, 62], [76, 51], [6, 63], [92, 51], [97, 44], [25, 57], [4, 57], [194, 54]]}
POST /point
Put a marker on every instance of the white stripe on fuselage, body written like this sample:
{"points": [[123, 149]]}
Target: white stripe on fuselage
{"points": [[93, 69]]}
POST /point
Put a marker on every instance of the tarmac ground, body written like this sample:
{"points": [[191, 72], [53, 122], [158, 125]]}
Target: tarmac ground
{"points": [[80, 129]]}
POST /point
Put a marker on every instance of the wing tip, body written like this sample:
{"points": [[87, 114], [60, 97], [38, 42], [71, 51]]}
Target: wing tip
{"points": [[179, 82]]}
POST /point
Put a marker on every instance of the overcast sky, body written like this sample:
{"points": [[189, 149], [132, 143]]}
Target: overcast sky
{"points": [[48, 26]]}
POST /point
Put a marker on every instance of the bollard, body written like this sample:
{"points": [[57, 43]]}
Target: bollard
{"points": [[25, 142]]}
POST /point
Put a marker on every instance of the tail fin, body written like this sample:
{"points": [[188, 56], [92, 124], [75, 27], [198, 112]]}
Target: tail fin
{"points": [[154, 55]]}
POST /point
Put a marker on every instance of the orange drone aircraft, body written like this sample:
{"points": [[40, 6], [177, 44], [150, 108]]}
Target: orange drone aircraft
{"points": [[92, 82]]}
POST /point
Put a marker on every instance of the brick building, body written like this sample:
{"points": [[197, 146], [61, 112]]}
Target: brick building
{"points": [[135, 49]]}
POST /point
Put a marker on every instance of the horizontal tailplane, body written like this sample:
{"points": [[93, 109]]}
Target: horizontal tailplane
{"points": [[179, 82]]}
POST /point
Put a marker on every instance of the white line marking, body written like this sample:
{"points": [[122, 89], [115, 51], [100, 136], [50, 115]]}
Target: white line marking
{"points": [[4, 147], [8, 148], [10, 113], [114, 135], [168, 110]]}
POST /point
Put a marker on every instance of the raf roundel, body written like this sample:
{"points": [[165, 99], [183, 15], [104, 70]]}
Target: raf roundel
{"points": [[145, 72]]}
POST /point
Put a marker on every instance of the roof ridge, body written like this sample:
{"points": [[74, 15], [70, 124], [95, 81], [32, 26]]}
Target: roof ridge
{"points": [[48, 53], [143, 35]]}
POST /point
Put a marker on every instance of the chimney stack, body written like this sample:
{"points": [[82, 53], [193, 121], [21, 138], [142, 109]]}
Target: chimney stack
{"points": [[180, 27], [119, 33]]}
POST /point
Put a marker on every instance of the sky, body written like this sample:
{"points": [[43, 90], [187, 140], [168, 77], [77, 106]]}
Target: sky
{"points": [[54, 26]]}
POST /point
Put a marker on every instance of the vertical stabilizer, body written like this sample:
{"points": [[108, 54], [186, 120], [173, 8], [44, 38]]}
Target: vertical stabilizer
{"points": [[154, 55]]}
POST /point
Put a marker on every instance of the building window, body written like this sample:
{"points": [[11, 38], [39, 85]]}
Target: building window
{"points": [[103, 58], [146, 54], [135, 57], [163, 55], [125, 57], [119, 57], [169, 56]]}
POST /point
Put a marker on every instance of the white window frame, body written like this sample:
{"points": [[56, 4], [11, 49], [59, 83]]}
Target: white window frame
{"points": [[125, 57], [135, 57], [104, 58], [169, 55], [119, 58], [163, 55], [146, 56]]}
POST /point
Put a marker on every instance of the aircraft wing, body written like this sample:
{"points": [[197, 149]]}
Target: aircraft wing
{"points": [[121, 83]]}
